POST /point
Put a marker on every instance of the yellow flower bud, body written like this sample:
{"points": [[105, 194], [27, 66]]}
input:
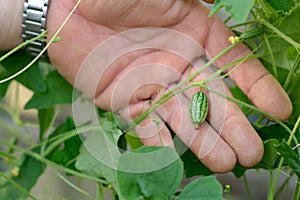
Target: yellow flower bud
{"points": [[15, 171], [233, 39]]}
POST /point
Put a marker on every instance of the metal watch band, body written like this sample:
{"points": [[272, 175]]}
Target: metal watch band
{"points": [[34, 23]]}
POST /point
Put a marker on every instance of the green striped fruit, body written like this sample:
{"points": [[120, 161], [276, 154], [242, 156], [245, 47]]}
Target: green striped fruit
{"points": [[252, 33], [198, 108]]}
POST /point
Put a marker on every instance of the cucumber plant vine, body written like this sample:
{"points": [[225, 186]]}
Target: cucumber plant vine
{"points": [[270, 28]]}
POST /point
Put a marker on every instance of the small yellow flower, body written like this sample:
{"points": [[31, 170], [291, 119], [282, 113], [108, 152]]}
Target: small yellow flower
{"points": [[15, 171], [233, 39]]}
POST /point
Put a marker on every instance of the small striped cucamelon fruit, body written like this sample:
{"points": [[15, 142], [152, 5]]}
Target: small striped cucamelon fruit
{"points": [[252, 33], [249, 34], [198, 108]]}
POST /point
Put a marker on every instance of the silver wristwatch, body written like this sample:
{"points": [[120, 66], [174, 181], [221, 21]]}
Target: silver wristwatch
{"points": [[34, 23]]}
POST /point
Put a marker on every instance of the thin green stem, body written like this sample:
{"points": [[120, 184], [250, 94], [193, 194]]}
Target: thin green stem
{"points": [[61, 137], [157, 122], [291, 72], [280, 33], [228, 196], [275, 73], [99, 192], [17, 103], [271, 191], [73, 186], [19, 187], [67, 136], [264, 8], [291, 137], [156, 104], [227, 19], [254, 15], [11, 113], [20, 46], [296, 195], [284, 184], [53, 164], [9, 128], [247, 186], [243, 24], [294, 131], [44, 50], [258, 122], [237, 63]]}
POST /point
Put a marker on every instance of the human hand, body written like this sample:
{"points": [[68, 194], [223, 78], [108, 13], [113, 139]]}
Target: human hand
{"points": [[134, 79]]}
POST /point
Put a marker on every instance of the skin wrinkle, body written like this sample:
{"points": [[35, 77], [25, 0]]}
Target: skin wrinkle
{"points": [[179, 15], [261, 77], [125, 14], [102, 91], [127, 10], [101, 88]]}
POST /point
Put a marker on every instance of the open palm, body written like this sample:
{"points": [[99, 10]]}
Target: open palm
{"points": [[129, 81]]}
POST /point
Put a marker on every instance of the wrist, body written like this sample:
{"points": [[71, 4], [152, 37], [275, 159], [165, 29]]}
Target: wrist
{"points": [[10, 23]]}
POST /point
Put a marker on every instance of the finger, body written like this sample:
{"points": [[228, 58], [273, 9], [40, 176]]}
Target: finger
{"points": [[204, 142], [230, 122], [151, 131], [260, 86]]}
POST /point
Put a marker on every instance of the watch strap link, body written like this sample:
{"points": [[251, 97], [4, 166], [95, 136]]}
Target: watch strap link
{"points": [[34, 23]]}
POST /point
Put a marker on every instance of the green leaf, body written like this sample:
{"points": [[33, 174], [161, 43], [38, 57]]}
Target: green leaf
{"points": [[207, 188], [294, 94], [149, 189], [240, 95], [30, 171], [99, 153], [149, 172], [193, 166], [3, 88], [67, 125], [290, 157], [133, 140], [270, 154], [283, 5], [87, 162], [59, 91], [46, 117], [70, 148], [32, 78], [239, 170], [239, 10], [275, 131]]}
